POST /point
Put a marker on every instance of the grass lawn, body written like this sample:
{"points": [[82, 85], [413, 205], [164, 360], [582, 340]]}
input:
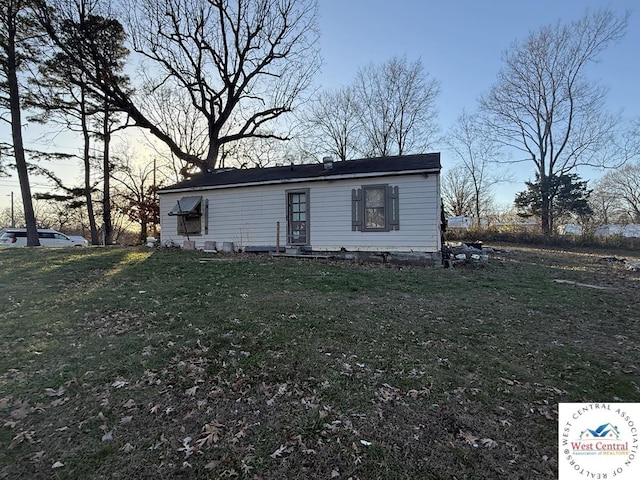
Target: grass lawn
{"points": [[133, 364]]}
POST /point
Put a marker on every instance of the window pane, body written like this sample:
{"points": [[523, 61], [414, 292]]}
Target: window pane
{"points": [[374, 197], [374, 218], [374, 207]]}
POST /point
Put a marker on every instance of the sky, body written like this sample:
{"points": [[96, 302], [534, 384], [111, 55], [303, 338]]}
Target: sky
{"points": [[460, 43]]}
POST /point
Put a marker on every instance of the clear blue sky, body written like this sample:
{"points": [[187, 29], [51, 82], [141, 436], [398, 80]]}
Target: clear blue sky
{"points": [[460, 43]]}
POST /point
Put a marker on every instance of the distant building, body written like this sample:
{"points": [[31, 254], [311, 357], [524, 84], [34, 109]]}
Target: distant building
{"points": [[627, 231], [459, 221], [570, 229]]}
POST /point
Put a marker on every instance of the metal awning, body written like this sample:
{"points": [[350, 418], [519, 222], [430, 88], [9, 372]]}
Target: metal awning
{"points": [[186, 206]]}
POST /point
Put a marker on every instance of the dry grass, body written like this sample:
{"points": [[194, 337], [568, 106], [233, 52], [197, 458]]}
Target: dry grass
{"points": [[126, 364]]}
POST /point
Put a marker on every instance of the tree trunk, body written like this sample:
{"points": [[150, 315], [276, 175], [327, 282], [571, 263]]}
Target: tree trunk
{"points": [[144, 226], [477, 205], [545, 205], [18, 147], [143, 230], [212, 155], [106, 198], [93, 228]]}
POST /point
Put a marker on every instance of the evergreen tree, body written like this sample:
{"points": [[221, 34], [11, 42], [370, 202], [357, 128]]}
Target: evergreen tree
{"points": [[90, 53], [19, 38], [567, 194]]}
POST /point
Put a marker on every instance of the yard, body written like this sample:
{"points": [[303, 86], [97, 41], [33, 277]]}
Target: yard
{"points": [[133, 364]]}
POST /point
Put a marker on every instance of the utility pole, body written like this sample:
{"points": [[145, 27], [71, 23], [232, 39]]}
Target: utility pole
{"points": [[13, 220], [155, 199]]}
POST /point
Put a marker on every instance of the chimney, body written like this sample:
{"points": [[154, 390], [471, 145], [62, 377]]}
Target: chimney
{"points": [[328, 163]]}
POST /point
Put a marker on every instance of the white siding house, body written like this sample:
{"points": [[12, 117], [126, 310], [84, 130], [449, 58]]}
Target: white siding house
{"points": [[389, 204]]}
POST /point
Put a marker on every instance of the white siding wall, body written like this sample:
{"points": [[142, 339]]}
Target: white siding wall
{"points": [[247, 216]]}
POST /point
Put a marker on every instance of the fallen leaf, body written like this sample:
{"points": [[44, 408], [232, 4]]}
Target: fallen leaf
{"points": [[211, 434], [488, 443], [119, 384], [365, 443], [335, 473], [21, 437], [59, 401], [279, 451], [50, 392], [245, 467], [468, 437], [107, 437], [130, 403], [186, 448], [57, 465], [36, 457], [128, 448], [191, 392], [125, 420], [22, 411]]}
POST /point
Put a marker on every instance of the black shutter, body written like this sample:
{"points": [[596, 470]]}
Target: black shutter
{"points": [[206, 216], [356, 209], [393, 208]]}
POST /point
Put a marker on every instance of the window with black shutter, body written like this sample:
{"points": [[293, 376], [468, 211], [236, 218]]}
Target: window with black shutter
{"points": [[375, 208]]}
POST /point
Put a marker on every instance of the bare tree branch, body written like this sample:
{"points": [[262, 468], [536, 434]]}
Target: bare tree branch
{"points": [[242, 63], [543, 104]]}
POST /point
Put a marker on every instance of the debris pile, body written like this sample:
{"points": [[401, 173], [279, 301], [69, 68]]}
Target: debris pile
{"points": [[632, 265], [465, 252]]}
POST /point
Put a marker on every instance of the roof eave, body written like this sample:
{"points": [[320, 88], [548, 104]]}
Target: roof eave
{"points": [[281, 181]]}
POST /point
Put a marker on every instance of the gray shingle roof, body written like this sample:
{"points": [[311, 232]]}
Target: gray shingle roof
{"points": [[429, 162]]}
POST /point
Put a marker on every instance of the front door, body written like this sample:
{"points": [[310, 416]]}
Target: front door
{"points": [[298, 217]]}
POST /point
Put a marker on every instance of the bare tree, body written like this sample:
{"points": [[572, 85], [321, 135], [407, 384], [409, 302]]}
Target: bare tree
{"points": [[172, 108], [605, 205], [618, 194], [457, 192], [243, 63], [331, 121], [18, 46], [136, 192], [544, 105], [477, 154], [397, 107]]}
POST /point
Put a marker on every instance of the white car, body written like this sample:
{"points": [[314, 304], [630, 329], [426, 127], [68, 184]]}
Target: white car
{"points": [[17, 237], [79, 241]]}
